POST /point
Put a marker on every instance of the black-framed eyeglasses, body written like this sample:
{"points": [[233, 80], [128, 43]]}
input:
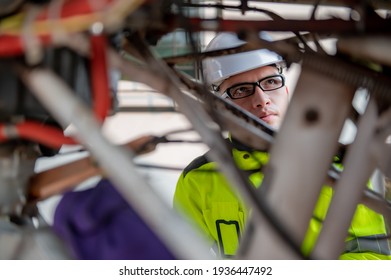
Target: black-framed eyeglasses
{"points": [[244, 90]]}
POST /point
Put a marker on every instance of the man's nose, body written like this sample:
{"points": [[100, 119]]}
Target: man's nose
{"points": [[260, 98]]}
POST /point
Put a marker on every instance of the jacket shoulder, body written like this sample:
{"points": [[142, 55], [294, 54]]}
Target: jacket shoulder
{"points": [[196, 163], [202, 160]]}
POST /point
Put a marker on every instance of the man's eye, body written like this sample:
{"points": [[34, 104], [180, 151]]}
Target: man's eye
{"points": [[271, 81], [242, 90]]}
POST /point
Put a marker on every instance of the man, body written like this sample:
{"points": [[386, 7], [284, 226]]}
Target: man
{"points": [[254, 81]]}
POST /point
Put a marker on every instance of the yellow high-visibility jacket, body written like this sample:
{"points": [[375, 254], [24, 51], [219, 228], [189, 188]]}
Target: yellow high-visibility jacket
{"points": [[207, 198]]}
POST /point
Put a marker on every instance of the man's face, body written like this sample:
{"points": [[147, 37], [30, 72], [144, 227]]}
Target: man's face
{"points": [[270, 106]]}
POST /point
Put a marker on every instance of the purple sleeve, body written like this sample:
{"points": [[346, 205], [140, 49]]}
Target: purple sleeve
{"points": [[98, 223]]}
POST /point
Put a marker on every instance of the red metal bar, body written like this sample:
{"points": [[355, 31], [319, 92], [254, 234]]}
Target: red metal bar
{"points": [[99, 77]]}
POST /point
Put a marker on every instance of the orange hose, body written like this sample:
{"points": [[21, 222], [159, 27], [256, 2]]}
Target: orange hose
{"points": [[11, 45], [37, 132]]}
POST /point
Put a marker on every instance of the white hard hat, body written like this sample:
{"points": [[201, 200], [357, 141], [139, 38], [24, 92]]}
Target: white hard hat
{"points": [[217, 69]]}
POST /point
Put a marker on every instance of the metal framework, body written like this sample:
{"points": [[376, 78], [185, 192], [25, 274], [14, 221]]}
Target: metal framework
{"points": [[118, 35]]}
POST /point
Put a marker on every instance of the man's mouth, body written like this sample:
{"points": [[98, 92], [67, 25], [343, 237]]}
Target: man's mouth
{"points": [[267, 118]]}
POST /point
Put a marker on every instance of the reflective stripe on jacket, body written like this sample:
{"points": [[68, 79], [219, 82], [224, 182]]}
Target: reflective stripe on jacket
{"points": [[204, 194]]}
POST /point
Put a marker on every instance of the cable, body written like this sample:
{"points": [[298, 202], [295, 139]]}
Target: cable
{"points": [[155, 140], [243, 7]]}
